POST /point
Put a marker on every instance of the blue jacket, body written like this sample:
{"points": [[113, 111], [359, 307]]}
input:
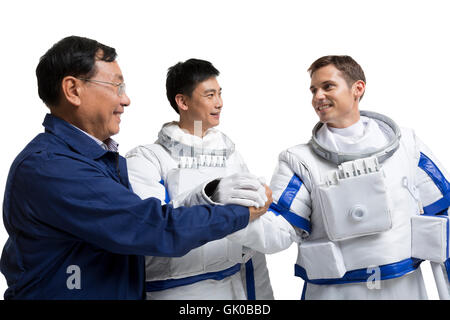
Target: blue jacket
{"points": [[76, 229]]}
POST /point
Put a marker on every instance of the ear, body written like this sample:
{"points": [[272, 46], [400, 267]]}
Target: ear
{"points": [[181, 101], [358, 89], [71, 89]]}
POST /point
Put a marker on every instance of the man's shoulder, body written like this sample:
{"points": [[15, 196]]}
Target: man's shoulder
{"points": [[47, 153], [40, 144], [297, 149]]}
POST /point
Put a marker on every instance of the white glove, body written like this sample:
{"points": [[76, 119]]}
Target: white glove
{"points": [[242, 189]]}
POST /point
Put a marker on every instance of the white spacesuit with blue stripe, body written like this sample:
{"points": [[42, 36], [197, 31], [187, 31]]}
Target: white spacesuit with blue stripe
{"points": [[370, 203], [176, 168]]}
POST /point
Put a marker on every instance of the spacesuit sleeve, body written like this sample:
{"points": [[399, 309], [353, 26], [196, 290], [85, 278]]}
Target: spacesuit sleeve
{"points": [[269, 234], [291, 197], [432, 182], [144, 174]]}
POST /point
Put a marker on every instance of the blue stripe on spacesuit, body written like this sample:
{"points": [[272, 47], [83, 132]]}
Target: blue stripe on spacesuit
{"points": [[305, 285], [290, 192], [173, 283], [440, 206], [285, 202], [388, 271], [430, 168], [427, 165], [447, 268], [250, 280], [291, 217], [167, 197]]}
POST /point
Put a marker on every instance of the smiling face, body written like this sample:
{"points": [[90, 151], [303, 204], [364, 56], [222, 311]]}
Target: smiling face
{"points": [[204, 104], [101, 107], [334, 101]]}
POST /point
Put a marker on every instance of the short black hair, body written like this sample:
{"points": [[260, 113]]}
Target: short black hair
{"points": [[71, 56], [184, 77]]}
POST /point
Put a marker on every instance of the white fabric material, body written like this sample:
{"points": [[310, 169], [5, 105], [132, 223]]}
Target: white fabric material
{"points": [[322, 260], [358, 215], [363, 136], [379, 249], [149, 164], [429, 238]]}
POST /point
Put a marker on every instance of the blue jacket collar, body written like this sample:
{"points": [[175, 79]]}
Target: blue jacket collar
{"points": [[73, 137]]}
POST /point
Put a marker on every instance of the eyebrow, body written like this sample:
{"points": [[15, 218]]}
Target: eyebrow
{"points": [[322, 83], [119, 77], [212, 90]]}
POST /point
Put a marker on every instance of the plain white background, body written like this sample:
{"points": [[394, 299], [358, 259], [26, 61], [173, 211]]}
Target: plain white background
{"points": [[262, 48]]}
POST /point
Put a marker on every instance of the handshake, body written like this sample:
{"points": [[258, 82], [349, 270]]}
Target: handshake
{"points": [[243, 189]]}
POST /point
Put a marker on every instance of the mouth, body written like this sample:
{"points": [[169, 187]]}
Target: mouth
{"points": [[215, 114], [324, 106], [117, 114]]}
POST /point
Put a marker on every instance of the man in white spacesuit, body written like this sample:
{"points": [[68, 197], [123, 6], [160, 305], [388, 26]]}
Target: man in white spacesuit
{"points": [[188, 158], [369, 199]]}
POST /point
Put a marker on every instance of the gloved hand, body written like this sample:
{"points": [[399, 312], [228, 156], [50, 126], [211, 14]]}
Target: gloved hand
{"points": [[242, 189]]}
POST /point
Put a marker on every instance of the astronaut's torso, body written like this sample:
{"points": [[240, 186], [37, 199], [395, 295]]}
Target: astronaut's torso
{"points": [[360, 243], [182, 168]]}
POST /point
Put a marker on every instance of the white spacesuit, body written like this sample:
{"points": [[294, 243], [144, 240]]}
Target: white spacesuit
{"points": [[176, 168], [370, 202]]}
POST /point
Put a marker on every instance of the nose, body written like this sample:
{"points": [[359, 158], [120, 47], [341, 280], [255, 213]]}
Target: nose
{"points": [[319, 95], [219, 102], [124, 100]]}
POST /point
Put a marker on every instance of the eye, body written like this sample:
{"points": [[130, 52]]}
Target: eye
{"points": [[328, 86]]}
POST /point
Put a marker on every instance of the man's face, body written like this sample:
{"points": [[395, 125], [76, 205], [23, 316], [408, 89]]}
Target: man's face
{"points": [[205, 103], [101, 105], [333, 100]]}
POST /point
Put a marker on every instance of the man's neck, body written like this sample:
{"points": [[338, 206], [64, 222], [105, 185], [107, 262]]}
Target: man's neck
{"points": [[74, 121], [347, 121]]}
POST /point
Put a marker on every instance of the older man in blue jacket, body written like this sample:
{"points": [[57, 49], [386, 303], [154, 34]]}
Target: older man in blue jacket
{"points": [[76, 229]]}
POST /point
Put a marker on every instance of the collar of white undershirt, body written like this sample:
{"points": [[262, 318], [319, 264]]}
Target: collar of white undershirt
{"points": [[355, 130], [109, 144]]}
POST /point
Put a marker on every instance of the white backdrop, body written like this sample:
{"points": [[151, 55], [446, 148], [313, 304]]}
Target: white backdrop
{"points": [[262, 49]]}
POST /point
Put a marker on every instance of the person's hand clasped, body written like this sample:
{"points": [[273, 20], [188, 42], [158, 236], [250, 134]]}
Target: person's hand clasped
{"points": [[242, 189], [257, 212]]}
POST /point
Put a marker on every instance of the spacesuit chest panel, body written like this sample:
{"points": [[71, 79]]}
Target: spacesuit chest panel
{"points": [[189, 174], [354, 200]]}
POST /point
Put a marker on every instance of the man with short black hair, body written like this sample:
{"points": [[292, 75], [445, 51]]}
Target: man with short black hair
{"points": [[187, 155], [76, 229], [368, 198]]}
